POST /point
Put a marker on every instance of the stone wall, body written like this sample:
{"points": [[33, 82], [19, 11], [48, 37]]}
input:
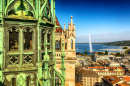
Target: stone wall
{"points": [[69, 73]]}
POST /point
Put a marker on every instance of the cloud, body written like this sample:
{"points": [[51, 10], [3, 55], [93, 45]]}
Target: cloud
{"points": [[105, 37]]}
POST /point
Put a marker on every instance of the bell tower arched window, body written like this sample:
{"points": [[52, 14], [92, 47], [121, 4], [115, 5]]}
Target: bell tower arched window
{"points": [[57, 45], [71, 44], [48, 41], [65, 46], [28, 36], [42, 40], [13, 38]]}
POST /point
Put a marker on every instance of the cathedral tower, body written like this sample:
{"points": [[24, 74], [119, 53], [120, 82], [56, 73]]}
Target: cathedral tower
{"points": [[71, 36], [70, 52], [27, 43]]}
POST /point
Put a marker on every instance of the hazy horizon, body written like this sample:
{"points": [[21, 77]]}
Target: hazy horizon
{"points": [[102, 42]]}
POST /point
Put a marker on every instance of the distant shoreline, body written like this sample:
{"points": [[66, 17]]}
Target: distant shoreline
{"points": [[121, 50], [117, 43]]}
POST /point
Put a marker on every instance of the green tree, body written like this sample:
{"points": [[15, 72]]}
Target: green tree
{"points": [[118, 54], [82, 54], [127, 51], [106, 52], [100, 53], [125, 47], [85, 52], [77, 53]]}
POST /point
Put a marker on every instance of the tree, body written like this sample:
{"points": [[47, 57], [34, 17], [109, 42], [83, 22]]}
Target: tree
{"points": [[100, 53], [77, 53], [125, 47], [127, 51], [85, 53], [106, 52], [82, 54], [112, 54], [118, 54]]}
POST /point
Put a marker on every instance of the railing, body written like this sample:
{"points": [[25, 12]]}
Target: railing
{"points": [[58, 54]]}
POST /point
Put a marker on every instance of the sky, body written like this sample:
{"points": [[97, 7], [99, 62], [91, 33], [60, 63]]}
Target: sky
{"points": [[104, 20]]}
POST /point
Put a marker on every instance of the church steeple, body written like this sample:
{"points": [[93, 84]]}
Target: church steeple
{"points": [[64, 28], [74, 27], [71, 24]]}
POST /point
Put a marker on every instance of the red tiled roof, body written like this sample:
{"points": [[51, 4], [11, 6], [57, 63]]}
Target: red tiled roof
{"points": [[58, 24], [78, 84], [112, 79], [127, 79]]}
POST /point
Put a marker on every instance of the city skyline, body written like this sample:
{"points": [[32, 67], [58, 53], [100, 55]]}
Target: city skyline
{"points": [[104, 20]]}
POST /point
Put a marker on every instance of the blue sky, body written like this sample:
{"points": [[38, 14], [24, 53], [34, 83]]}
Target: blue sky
{"points": [[104, 20]]}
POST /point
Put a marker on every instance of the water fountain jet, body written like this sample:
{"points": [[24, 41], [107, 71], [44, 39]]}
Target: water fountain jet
{"points": [[90, 44]]}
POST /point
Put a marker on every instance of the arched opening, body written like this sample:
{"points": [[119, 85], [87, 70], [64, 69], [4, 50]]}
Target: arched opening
{"points": [[13, 39], [57, 81], [28, 81], [48, 41], [65, 46], [15, 5], [13, 81], [42, 40], [71, 44], [28, 34], [57, 45], [65, 36]]}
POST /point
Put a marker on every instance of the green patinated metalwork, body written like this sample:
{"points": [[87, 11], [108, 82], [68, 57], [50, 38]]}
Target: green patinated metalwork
{"points": [[40, 15], [62, 68], [1, 42]]}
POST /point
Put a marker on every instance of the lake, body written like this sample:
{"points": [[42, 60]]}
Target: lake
{"points": [[95, 47]]}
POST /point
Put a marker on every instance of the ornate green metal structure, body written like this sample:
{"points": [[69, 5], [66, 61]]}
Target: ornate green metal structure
{"points": [[27, 43]]}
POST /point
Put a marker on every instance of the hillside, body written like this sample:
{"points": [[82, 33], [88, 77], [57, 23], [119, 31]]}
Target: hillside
{"points": [[116, 43]]}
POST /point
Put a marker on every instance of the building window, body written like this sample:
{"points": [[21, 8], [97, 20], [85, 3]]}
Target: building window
{"points": [[71, 44], [48, 41], [28, 79], [42, 41], [13, 38], [13, 81], [57, 45], [65, 46], [28, 34], [65, 36]]}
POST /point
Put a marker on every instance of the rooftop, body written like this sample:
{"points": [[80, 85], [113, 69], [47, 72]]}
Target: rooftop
{"points": [[84, 72], [127, 79], [59, 30], [112, 79]]}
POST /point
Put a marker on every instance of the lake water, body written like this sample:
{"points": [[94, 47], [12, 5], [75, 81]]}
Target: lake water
{"points": [[95, 47]]}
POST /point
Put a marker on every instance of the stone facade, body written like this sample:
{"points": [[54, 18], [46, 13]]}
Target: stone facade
{"points": [[70, 52], [86, 77]]}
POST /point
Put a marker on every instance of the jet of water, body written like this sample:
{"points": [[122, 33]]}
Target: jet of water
{"points": [[90, 44]]}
